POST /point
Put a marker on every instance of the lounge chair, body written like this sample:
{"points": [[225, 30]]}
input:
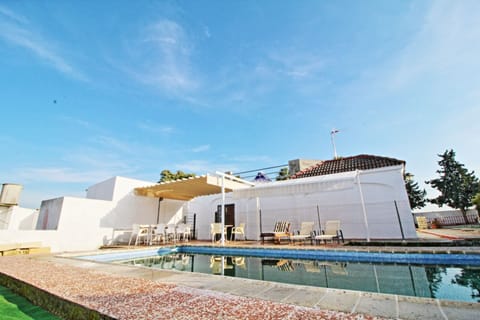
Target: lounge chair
{"points": [[280, 230], [238, 230], [335, 267], [285, 265], [332, 232], [305, 233]]}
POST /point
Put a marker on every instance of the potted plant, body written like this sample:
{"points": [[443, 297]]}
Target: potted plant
{"points": [[435, 224]]}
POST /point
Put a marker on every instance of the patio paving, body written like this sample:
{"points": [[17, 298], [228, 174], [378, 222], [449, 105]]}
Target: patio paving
{"points": [[128, 292]]}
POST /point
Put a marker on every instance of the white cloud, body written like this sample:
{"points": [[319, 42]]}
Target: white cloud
{"points": [[21, 34], [206, 31], [201, 148], [12, 15], [297, 64], [447, 45], [63, 175], [155, 128], [254, 159], [78, 122], [112, 143], [197, 166], [161, 58]]}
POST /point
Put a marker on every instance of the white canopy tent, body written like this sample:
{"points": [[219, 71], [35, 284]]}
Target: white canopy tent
{"points": [[333, 182]]}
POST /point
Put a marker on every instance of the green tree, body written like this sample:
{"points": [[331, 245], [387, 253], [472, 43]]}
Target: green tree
{"points": [[416, 196], [457, 186], [283, 174], [167, 175], [476, 202]]}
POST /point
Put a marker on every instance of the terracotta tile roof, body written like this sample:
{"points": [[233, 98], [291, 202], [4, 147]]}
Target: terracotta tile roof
{"points": [[360, 162]]}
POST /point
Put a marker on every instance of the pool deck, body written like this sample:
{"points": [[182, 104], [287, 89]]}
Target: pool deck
{"points": [[128, 292]]}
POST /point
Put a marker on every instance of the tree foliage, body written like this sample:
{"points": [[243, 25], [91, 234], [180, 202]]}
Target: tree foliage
{"points": [[283, 174], [416, 196], [456, 185], [476, 202], [167, 175], [469, 278]]}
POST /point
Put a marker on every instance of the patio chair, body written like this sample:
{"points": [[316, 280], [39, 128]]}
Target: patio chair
{"points": [[216, 228], [219, 263], [183, 232], [170, 232], [282, 230], [305, 233], [239, 262], [281, 227], [332, 232], [138, 232], [285, 265], [158, 233], [240, 230], [339, 268]]}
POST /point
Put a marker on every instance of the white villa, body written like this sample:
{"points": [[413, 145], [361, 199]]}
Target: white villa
{"points": [[366, 193]]}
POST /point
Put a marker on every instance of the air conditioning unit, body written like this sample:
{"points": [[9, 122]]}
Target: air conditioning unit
{"points": [[10, 194]]}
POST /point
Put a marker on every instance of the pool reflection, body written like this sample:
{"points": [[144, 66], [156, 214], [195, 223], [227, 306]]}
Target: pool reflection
{"points": [[444, 282]]}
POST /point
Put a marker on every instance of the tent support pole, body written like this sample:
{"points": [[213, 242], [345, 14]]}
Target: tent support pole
{"points": [[319, 224], [158, 211], [399, 220], [259, 215], [222, 216], [363, 206]]}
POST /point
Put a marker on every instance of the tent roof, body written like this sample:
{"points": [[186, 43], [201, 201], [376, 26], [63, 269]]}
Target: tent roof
{"points": [[331, 182], [189, 188]]}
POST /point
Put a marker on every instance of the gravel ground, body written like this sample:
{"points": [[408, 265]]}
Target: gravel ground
{"points": [[123, 297]]}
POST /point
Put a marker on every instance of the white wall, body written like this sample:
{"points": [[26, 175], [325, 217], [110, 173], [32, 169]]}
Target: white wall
{"points": [[49, 216], [22, 218], [129, 208], [102, 190], [5, 213], [86, 224], [47, 238], [381, 188], [75, 224]]}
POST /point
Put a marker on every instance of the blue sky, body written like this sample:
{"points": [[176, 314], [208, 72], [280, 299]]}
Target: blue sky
{"points": [[95, 89]]}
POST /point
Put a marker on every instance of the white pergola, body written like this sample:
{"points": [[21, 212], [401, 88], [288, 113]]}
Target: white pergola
{"points": [[189, 188]]}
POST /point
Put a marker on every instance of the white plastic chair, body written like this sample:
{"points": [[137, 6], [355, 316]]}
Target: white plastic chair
{"points": [[158, 233], [183, 232], [138, 232], [216, 228], [240, 230], [170, 232]]}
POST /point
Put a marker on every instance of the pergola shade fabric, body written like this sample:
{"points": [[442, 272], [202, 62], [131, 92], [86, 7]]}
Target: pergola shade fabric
{"points": [[187, 189]]}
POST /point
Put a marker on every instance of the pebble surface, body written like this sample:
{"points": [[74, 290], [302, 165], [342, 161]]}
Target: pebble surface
{"points": [[122, 297]]}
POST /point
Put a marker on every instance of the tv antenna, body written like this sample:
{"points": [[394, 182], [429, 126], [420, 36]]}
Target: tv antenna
{"points": [[332, 135]]}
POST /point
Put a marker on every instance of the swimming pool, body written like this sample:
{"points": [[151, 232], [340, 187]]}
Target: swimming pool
{"points": [[442, 276]]}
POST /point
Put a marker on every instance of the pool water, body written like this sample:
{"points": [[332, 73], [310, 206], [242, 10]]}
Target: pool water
{"points": [[450, 282]]}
